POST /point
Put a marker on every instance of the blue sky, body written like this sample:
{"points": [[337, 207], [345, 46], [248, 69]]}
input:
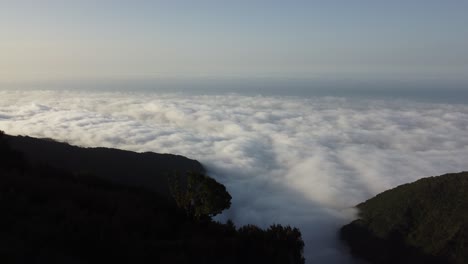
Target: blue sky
{"points": [[54, 40]]}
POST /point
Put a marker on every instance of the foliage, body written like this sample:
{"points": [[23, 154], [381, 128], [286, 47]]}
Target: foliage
{"points": [[429, 216], [201, 195], [52, 215], [276, 236]]}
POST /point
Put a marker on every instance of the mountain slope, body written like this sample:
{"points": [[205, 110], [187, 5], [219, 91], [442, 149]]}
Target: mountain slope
{"points": [[422, 222], [148, 169], [53, 215]]}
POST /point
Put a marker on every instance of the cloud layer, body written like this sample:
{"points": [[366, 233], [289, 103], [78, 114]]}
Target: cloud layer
{"points": [[288, 160]]}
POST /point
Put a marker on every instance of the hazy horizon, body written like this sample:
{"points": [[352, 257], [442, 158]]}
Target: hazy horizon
{"points": [[435, 91]]}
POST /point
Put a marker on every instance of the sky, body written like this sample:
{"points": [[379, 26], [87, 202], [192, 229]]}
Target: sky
{"points": [[77, 40]]}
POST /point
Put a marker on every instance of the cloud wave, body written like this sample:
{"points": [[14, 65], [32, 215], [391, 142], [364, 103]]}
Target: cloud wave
{"points": [[288, 160]]}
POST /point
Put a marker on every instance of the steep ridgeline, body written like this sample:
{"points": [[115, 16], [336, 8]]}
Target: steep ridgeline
{"points": [[149, 170], [56, 208], [422, 222]]}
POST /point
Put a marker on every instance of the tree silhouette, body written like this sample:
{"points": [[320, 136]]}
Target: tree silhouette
{"points": [[200, 196]]}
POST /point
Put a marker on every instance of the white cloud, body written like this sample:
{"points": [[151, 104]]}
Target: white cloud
{"points": [[287, 160]]}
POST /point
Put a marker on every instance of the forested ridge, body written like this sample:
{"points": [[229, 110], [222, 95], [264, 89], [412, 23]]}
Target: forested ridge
{"points": [[422, 222], [52, 214]]}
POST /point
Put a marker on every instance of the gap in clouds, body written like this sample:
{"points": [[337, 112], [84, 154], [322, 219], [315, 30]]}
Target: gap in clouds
{"points": [[287, 160]]}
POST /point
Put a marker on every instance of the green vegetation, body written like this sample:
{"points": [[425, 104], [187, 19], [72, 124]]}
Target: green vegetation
{"points": [[53, 215], [425, 221], [201, 196]]}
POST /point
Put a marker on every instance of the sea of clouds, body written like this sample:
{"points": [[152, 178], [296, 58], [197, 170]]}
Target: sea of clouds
{"points": [[289, 160]]}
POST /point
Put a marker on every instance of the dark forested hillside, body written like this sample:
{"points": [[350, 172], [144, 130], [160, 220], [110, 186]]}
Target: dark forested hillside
{"points": [[137, 169], [422, 222], [62, 214]]}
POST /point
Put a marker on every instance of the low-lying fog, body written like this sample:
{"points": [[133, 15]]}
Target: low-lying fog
{"points": [[299, 161]]}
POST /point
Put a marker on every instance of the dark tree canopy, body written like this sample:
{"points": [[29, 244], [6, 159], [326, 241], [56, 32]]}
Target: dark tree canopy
{"points": [[422, 222], [200, 196], [54, 215]]}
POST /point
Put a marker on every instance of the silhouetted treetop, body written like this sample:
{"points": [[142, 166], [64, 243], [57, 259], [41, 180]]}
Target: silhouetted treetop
{"points": [[200, 196]]}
